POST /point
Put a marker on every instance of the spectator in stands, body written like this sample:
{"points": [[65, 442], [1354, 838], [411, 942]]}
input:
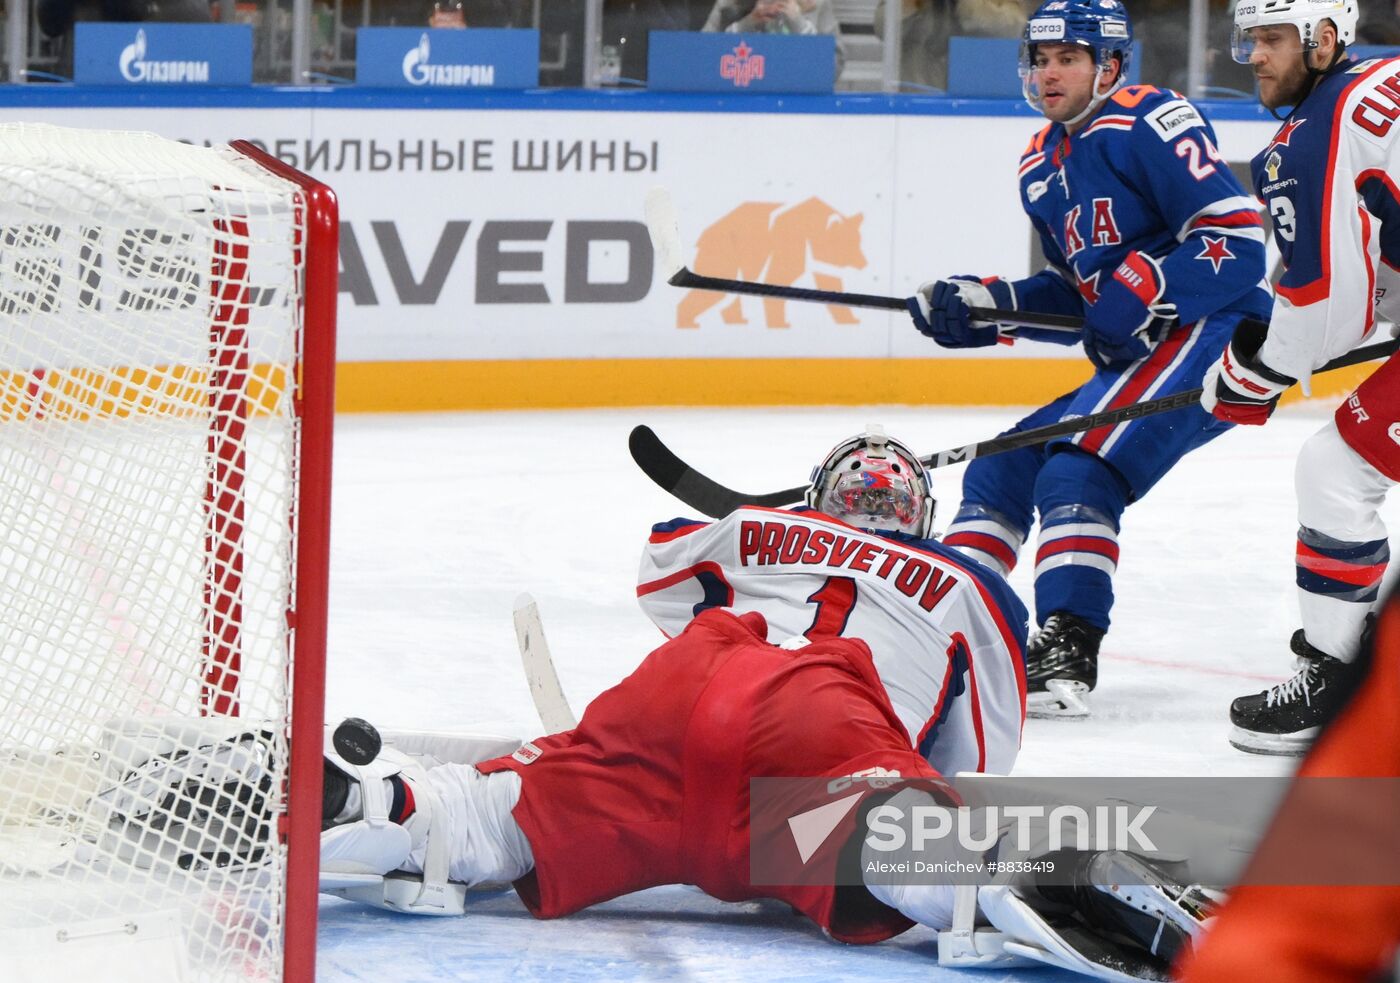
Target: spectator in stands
{"points": [[57, 17], [497, 13], [625, 27], [928, 24], [1380, 23], [778, 17], [1164, 31]]}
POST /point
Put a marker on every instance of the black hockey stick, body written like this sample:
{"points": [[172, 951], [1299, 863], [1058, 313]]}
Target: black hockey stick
{"points": [[709, 497], [666, 240]]}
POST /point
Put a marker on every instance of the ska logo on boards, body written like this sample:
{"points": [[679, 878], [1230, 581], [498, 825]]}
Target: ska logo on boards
{"points": [[742, 66], [766, 242]]}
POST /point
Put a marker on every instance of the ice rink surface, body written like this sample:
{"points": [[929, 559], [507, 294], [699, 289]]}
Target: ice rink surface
{"points": [[439, 521]]}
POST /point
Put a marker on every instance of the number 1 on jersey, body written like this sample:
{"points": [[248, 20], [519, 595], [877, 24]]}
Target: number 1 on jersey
{"points": [[834, 601]]}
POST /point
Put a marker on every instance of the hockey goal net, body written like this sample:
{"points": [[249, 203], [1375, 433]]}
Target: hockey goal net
{"points": [[166, 379]]}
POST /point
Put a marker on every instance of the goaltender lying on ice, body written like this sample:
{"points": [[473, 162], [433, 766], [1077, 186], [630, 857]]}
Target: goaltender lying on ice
{"points": [[872, 697]]}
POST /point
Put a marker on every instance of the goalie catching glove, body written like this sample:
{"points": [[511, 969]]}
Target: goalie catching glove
{"points": [[1240, 388]]}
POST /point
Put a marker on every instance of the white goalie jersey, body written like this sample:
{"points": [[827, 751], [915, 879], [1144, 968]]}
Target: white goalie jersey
{"points": [[947, 635]]}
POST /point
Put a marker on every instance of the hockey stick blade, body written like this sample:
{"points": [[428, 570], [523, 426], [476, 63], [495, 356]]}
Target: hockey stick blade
{"points": [[665, 230], [659, 463], [685, 277], [548, 695], [662, 466]]}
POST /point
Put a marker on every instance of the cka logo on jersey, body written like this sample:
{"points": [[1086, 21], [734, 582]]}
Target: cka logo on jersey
{"points": [[419, 70], [780, 244], [135, 68], [741, 66]]}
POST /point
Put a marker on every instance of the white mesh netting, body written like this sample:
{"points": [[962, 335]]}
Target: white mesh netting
{"points": [[149, 336]]}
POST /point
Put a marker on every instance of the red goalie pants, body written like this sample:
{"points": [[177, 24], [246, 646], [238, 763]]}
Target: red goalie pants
{"points": [[1369, 419], [652, 787]]}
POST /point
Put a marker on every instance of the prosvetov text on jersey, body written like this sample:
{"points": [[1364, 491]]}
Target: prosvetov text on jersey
{"points": [[775, 542]]}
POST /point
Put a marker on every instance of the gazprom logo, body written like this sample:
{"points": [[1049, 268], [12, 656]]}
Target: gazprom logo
{"points": [[135, 68], [418, 69], [1045, 29]]}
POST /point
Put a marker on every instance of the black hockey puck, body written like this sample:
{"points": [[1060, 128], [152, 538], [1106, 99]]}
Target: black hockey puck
{"points": [[357, 741]]}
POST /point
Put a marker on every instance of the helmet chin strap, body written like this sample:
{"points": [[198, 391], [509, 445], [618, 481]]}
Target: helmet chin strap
{"points": [[1095, 101]]}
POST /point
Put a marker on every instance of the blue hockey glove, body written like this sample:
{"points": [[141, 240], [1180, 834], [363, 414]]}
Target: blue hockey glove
{"points": [[1130, 317], [940, 310]]}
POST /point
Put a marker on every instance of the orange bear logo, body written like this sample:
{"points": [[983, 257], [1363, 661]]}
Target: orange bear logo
{"points": [[765, 242]]}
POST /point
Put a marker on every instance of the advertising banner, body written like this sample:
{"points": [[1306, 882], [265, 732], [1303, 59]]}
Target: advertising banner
{"points": [[163, 54], [518, 238], [410, 57], [685, 61]]}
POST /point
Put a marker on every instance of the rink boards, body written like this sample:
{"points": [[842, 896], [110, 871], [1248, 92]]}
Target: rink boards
{"points": [[494, 255]]}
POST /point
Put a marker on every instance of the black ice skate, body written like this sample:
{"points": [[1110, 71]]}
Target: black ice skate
{"points": [[1062, 665], [1136, 900], [1285, 718], [1109, 914]]}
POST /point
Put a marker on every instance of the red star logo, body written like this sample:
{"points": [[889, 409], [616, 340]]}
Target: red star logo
{"points": [[1286, 131], [1216, 250], [1088, 289], [743, 52]]}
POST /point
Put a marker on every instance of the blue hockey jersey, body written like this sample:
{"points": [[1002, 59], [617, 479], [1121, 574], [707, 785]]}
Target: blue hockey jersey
{"points": [[1329, 181], [1143, 175]]}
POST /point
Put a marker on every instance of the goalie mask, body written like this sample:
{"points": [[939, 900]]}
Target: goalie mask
{"points": [[873, 481]]}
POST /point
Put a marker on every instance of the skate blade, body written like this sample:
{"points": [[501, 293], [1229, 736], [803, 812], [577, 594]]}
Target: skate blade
{"points": [[1145, 888], [1063, 699], [1293, 745]]}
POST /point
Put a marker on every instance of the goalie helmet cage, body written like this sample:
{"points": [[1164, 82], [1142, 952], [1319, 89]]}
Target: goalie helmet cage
{"points": [[167, 356]]}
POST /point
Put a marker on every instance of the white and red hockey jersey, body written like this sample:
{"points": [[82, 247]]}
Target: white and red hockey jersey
{"points": [[947, 634], [1328, 179]]}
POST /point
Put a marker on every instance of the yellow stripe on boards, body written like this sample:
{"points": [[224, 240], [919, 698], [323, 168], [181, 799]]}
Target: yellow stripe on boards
{"points": [[408, 387], [411, 387]]}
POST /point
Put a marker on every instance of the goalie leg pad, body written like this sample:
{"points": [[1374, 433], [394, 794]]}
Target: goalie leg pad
{"points": [[414, 831], [390, 813]]}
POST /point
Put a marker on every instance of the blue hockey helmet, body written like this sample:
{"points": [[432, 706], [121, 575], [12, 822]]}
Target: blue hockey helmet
{"points": [[1102, 26]]}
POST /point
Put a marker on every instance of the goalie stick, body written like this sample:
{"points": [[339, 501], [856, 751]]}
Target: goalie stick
{"points": [[709, 497], [664, 228], [545, 690]]}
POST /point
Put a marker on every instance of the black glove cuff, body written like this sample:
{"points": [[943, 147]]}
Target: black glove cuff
{"points": [[1248, 338]]}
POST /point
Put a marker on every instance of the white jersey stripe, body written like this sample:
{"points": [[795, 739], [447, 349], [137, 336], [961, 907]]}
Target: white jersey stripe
{"points": [[1159, 382], [1049, 534], [1096, 560]]}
